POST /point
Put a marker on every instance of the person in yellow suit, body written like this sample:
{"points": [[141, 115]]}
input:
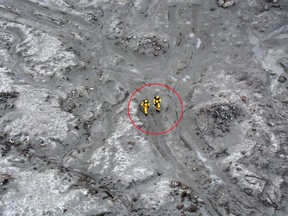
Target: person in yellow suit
{"points": [[157, 103], [145, 104]]}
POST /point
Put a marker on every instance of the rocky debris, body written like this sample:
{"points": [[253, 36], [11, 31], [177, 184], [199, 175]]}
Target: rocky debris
{"points": [[274, 3], [98, 109], [145, 45], [285, 100], [271, 124], [284, 63], [266, 8], [180, 206], [185, 193], [253, 79], [224, 112], [21, 152], [225, 3], [192, 208], [244, 99], [282, 79], [175, 183], [186, 197], [5, 146], [221, 153], [182, 189], [7, 143], [95, 17], [5, 103], [4, 96], [198, 200], [221, 114], [248, 191], [5, 178], [155, 52]]}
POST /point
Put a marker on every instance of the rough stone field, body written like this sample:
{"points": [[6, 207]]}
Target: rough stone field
{"points": [[69, 75]]}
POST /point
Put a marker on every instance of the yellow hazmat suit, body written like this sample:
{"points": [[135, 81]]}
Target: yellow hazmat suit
{"points": [[157, 103], [145, 104]]}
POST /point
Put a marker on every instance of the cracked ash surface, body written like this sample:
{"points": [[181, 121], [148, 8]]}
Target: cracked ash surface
{"points": [[68, 69]]}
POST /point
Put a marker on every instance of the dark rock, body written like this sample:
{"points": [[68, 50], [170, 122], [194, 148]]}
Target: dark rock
{"points": [[175, 183], [4, 96], [285, 100], [5, 178], [244, 99], [183, 195], [235, 180], [219, 116], [95, 16], [275, 5], [225, 3], [145, 45], [155, 52], [192, 208], [180, 206], [284, 63], [223, 202], [93, 191], [282, 79], [248, 191]]}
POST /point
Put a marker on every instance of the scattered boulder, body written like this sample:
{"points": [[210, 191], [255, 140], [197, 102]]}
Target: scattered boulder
{"points": [[192, 208], [285, 100], [180, 206], [284, 63], [220, 116], [282, 79], [95, 17], [4, 96], [244, 99], [5, 179], [146, 45], [248, 191], [225, 3], [272, 3], [175, 183]]}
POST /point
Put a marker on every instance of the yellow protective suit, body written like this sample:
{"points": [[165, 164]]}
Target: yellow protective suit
{"points": [[157, 103], [145, 104]]}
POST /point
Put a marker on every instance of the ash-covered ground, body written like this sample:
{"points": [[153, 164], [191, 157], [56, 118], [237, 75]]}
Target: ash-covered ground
{"points": [[68, 69]]}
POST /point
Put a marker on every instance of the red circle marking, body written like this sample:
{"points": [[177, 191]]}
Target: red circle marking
{"points": [[163, 132]]}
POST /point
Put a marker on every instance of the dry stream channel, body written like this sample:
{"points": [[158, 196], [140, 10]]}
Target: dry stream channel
{"points": [[68, 69]]}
